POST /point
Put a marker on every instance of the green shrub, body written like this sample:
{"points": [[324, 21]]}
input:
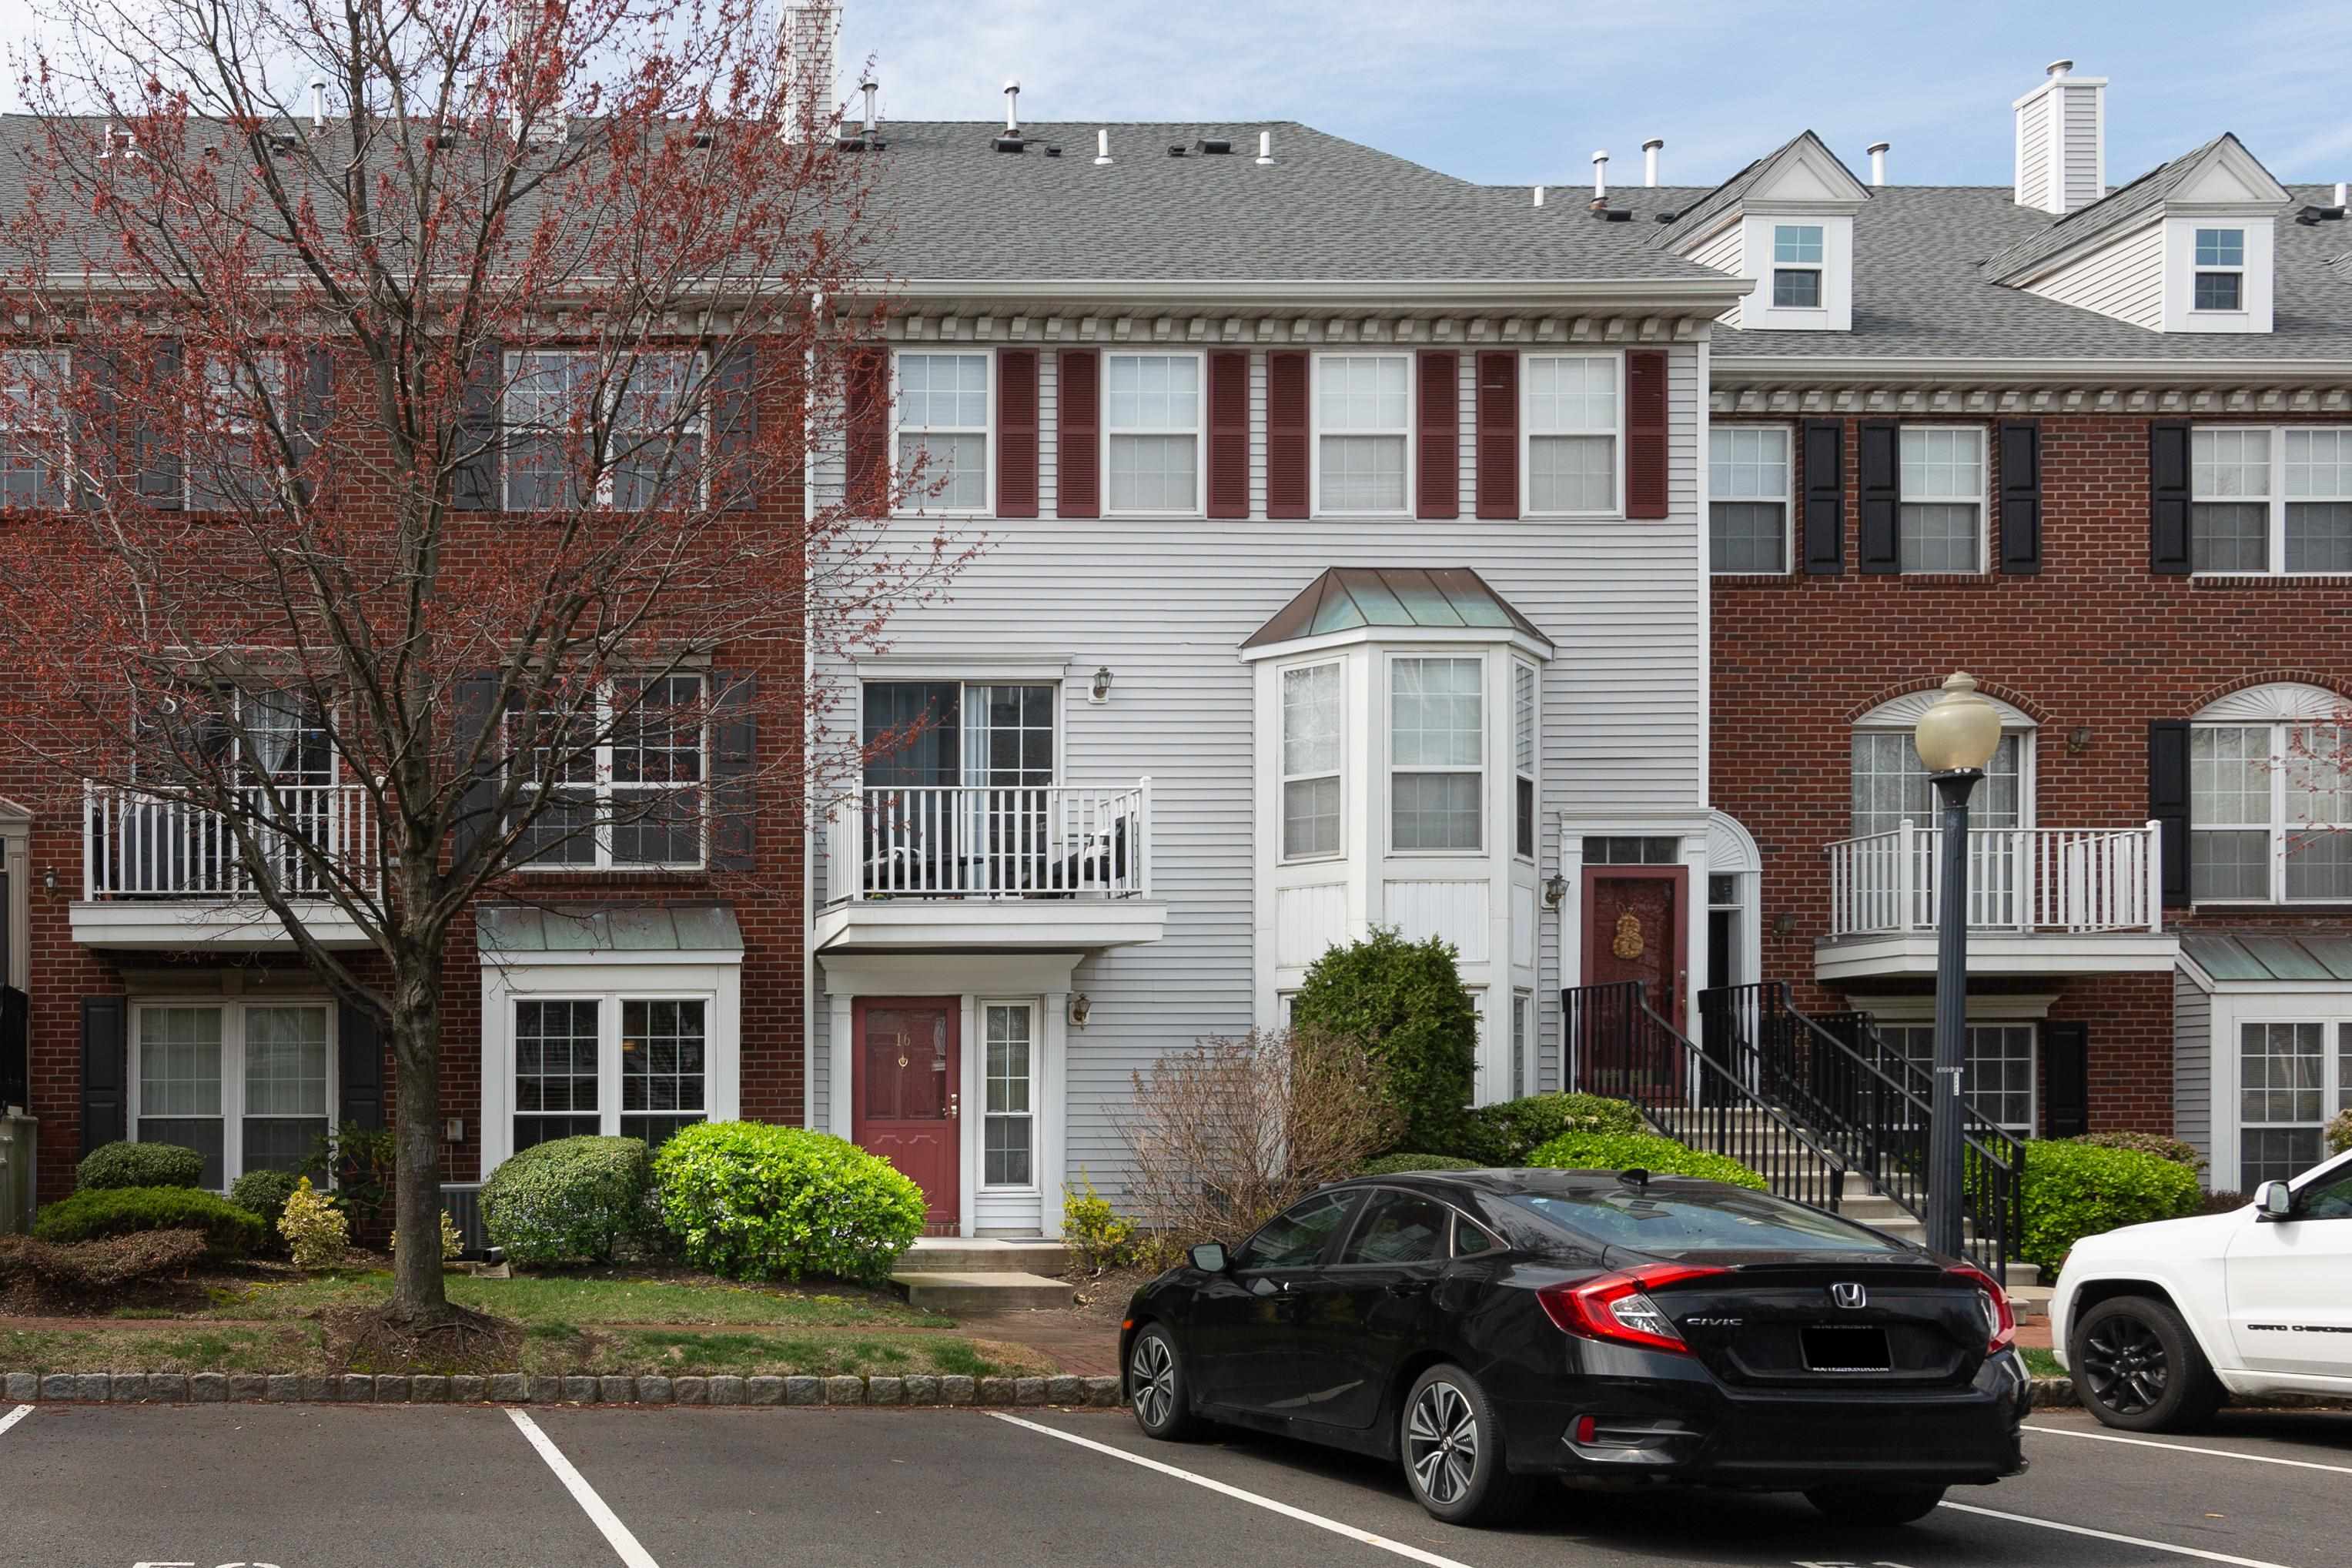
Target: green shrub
{"points": [[572, 1200], [2073, 1189], [1506, 1134], [751, 1201], [2178, 1151], [229, 1230], [1102, 1237], [1405, 1002], [1645, 1151], [317, 1232], [1397, 1165], [2339, 1132], [264, 1195], [112, 1166]]}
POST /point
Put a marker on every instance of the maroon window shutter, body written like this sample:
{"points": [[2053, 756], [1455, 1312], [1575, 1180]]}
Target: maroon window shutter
{"points": [[1285, 435], [1079, 484], [868, 492], [1645, 433], [1498, 434], [1016, 433], [1439, 467], [1229, 435]]}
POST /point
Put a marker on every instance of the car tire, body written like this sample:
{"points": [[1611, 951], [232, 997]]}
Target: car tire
{"points": [[1158, 1386], [1451, 1443], [1877, 1506], [2137, 1367]]}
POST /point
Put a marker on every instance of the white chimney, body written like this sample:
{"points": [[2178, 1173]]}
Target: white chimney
{"points": [[1265, 148], [1012, 106], [1600, 179], [2061, 127], [1650, 161], [1877, 151], [809, 34], [1102, 147]]}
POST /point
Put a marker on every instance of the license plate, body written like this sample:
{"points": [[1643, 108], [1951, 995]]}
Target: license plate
{"points": [[1843, 1349]]}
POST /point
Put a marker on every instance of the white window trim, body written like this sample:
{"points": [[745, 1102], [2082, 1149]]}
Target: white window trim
{"points": [[963, 681], [1199, 433], [1282, 779], [1527, 434], [2027, 754], [1314, 431], [1819, 270], [2279, 827], [2197, 267], [1390, 767], [1902, 497], [1534, 773], [698, 423], [2274, 526], [2030, 1127], [928, 506], [1788, 501], [231, 1111], [27, 415], [603, 789], [1035, 1114], [2238, 1005]]}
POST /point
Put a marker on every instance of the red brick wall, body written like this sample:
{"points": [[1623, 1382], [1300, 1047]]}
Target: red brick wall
{"points": [[2095, 641]]}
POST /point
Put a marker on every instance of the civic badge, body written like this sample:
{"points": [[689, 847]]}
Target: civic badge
{"points": [[1849, 1294]]}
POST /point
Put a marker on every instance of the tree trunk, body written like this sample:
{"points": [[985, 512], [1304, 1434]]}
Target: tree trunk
{"points": [[418, 1298]]}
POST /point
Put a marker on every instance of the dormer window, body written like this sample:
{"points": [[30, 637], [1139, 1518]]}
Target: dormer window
{"points": [[1797, 266], [2221, 270]]}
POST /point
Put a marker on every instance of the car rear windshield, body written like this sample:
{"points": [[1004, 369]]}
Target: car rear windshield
{"points": [[1668, 1222]]}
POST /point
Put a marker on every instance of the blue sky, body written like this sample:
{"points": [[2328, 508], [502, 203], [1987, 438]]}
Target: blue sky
{"points": [[1522, 90]]}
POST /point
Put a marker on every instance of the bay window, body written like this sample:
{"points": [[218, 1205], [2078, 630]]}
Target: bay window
{"points": [[616, 1066], [942, 410], [1940, 517], [1748, 492], [2270, 500], [1437, 781], [247, 1085], [624, 777], [1363, 415], [1151, 423], [1572, 409], [2268, 810], [1312, 742]]}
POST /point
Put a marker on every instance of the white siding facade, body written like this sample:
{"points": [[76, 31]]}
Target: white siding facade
{"points": [[2123, 279]]}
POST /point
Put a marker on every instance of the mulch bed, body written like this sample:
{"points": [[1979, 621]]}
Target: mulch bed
{"points": [[366, 1339]]}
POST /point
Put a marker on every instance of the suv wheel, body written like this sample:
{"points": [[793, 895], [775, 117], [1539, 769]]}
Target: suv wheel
{"points": [[2137, 1367]]}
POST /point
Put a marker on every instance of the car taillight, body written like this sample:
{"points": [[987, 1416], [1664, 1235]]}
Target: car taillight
{"points": [[2000, 1318], [1617, 1307]]}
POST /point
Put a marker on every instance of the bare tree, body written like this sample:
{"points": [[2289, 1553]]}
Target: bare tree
{"points": [[428, 461]]}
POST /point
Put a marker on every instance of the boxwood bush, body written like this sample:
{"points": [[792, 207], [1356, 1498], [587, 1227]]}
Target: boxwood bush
{"points": [[112, 1166], [2076, 1189], [1506, 1134], [751, 1201], [1627, 1151], [1405, 1002], [229, 1230], [1397, 1165], [264, 1194], [570, 1200], [2178, 1151]]}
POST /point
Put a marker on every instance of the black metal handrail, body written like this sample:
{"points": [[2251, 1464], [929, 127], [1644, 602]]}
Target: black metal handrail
{"points": [[1619, 1046], [16, 1058]]}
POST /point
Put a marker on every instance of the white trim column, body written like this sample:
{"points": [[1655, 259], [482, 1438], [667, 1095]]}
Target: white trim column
{"points": [[1051, 1098]]}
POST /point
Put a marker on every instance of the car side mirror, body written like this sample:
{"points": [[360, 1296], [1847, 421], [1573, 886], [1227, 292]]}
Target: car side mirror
{"points": [[2274, 1200], [1209, 1256]]}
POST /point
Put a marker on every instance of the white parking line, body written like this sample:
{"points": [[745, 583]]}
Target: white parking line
{"points": [[603, 1516], [2197, 1552], [1412, 1553], [15, 1416], [2186, 1448]]}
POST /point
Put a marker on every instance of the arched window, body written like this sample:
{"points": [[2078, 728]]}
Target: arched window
{"points": [[2270, 797], [1890, 783]]}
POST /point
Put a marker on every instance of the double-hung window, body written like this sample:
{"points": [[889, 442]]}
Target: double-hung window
{"points": [[2242, 519], [2292, 1077], [1572, 409], [2270, 811], [624, 777], [1940, 517], [632, 1067], [1999, 1076], [234, 408], [2220, 281], [581, 431], [1747, 487], [1437, 781], [1797, 266], [1151, 423], [1311, 697], [32, 458], [1523, 760], [942, 410], [244, 1085], [1363, 417]]}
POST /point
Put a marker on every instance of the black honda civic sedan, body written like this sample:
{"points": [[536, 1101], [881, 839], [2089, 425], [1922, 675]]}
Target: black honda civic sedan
{"points": [[1489, 1329]]}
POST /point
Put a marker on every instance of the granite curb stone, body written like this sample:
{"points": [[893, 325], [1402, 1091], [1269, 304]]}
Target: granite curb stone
{"points": [[208, 1387], [580, 1390], [170, 1385], [654, 1391], [545, 1390], [692, 1390], [23, 1386], [390, 1389], [1065, 1390], [285, 1387], [725, 1390], [359, 1389], [468, 1388], [248, 1387], [845, 1390], [885, 1390], [957, 1389], [510, 1387], [922, 1389], [428, 1390], [763, 1391], [804, 1390], [127, 1387], [93, 1384]]}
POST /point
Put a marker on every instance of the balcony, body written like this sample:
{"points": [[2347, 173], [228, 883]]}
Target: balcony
{"points": [[163, 874], [2041, 901], [963, 867]]}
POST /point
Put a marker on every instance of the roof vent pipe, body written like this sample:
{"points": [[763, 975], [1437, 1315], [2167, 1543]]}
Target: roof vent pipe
{"points": [[1012, 106], [1102, 148], [2339, 192], [1539, 195], [1650, 161], [1877, 151], [1600, 180], [869, 88], [1265, 148], [318, 108]]}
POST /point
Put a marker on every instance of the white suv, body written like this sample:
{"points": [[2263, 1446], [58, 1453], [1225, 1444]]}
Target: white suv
{"points": [[2160, 1322]]}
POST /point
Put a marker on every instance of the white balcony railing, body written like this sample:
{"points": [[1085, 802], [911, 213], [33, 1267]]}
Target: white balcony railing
{"points": [[979, 841], [137, 845], [2020, 879]]}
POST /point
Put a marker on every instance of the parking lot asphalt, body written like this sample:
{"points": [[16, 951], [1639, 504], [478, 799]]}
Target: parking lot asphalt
{"points": [[326, 1487]]}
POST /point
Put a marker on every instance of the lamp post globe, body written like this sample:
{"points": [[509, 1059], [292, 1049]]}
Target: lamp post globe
{"points": [[1955, 738], [1961, 731]]}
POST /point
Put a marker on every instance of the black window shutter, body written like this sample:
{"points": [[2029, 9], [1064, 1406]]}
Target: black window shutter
{"points": [[96, 431], [359, 1061], [317, 393], [474, 484], [1880, 552], [734, 746], [2067, 1078], [160, 475], [477, 806], [105, 1072], [2168, 802], [1825, 474], [2168, 497], [734, 428], [2021, 497]]}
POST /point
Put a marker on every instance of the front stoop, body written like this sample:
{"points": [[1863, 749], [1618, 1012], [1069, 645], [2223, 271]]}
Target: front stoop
{"points": [[984, 1255], [987, 1291]]}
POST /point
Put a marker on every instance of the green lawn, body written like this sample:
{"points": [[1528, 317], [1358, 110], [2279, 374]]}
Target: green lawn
{"points": [[297, 1347], [583, 1299], [2042, 1363]]}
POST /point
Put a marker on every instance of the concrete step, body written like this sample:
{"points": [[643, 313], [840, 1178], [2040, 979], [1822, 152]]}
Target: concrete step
{"points": [[2030, 1301], [2023, 1277], [994, 1290], [962, 1255]]}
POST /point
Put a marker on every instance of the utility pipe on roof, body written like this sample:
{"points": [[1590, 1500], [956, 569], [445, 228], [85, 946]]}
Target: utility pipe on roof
{"points": [[1265, 148], [317, 105], [1102, 147], [869, 87], [1877, 151], [1600, 179], [1650, 161], [1012, 106]]}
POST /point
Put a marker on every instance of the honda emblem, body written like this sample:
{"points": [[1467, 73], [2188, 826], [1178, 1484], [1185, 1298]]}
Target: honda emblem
{"points": [[1849, 1294]]}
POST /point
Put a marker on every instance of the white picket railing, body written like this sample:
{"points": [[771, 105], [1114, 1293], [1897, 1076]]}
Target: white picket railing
{"points": [[985, 841], [138, 845], [2020, 879]]}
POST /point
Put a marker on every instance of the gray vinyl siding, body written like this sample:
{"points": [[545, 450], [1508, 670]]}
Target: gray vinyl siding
{"points": [[1166, 605], [2125, 280], [2192, 1066], [2080, 144]]}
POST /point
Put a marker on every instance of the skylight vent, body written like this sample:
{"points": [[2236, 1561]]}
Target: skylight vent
{"points": [[1212, 146]]}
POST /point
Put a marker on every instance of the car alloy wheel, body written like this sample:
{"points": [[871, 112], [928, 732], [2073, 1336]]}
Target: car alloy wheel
{"points": [[1441, 1440], [1151, 1380], [2125, 1362]]}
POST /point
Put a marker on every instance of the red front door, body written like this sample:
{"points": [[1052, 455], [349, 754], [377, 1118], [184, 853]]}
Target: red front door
{"points": [[908, 1068], [1634, 930]]}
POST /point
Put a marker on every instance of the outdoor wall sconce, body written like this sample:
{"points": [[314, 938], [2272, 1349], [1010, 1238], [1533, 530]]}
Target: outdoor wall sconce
{"points": [[453, 1131], [1784, 925], [49, 879], [1100, 691], [1080, 1008], [2078, 740], [1555, 891]]}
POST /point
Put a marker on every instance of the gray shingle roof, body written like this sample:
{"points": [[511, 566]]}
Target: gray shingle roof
{"points": [[1690, 221], [2115, 210]]}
